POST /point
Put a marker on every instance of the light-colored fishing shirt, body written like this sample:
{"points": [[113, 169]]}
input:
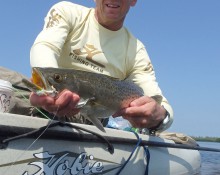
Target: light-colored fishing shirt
{"points": [[72, 38]]}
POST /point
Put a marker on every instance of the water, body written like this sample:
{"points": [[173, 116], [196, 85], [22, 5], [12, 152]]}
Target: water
{"points": [[210, 160]]}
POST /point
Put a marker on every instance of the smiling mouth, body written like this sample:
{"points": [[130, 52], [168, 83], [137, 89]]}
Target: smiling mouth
{"points": [[112, 6]]}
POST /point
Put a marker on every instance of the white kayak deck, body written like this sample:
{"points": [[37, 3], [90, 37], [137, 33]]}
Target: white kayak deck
{"points": [[62, 150]]}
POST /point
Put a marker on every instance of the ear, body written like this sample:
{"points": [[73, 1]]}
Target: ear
{"points": [[133, 2]]}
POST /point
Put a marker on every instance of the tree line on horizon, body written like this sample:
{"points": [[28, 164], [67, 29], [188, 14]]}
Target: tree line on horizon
{"points": [[206, 139]]}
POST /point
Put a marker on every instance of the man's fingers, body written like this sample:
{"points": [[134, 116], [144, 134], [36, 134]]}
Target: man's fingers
{"points": [[63, 104], [39, 101]]}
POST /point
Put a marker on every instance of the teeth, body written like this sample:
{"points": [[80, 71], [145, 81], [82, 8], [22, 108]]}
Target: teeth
{"points": [[112, 6]]}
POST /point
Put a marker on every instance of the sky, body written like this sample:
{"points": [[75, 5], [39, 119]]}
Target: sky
{"points": [[182, 39]]}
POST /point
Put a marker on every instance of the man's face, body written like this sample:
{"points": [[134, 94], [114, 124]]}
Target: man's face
{"points": [[112, 11]]}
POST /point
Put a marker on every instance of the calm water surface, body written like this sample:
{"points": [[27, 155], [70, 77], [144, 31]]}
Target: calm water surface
{"points": [[210, 160]]}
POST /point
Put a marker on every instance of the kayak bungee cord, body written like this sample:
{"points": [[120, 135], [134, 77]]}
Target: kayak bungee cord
{"points": [[147, 152], [135, 148], [58, 123]]}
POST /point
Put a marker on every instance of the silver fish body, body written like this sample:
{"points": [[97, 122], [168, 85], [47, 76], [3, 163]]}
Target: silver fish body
{"points": [[105, 95]]}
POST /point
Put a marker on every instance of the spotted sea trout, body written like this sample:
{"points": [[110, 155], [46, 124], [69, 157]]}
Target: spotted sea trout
{"points": [[100, 95]]}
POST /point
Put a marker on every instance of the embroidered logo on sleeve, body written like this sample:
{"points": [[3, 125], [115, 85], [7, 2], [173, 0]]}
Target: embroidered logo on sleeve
{"points": [[53, 19]]}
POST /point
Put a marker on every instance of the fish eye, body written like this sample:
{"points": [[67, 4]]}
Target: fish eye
{"points": [[57, 78]]}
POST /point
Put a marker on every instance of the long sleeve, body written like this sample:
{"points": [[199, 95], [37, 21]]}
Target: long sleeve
{"points": [[143, 74]]}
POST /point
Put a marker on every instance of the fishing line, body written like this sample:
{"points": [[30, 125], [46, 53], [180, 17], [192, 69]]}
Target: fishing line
{"points": [[23, 153], [18, 87]]}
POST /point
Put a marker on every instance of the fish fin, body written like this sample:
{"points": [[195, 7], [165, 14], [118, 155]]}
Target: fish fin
{"points": [[96, 122], [115, 79], [82, 103], [93, 111], [157, 98]]}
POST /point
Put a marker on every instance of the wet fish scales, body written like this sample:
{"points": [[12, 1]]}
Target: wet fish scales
{"points": [[108, 94]]}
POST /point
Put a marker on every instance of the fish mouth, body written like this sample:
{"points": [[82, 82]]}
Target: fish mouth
{"points": [[39, 80]]}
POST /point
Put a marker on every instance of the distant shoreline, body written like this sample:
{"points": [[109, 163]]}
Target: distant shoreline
{"points": [[207, 139]]}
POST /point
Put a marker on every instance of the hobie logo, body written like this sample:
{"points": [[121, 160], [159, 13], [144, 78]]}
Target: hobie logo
{"points": [[63, 165]]}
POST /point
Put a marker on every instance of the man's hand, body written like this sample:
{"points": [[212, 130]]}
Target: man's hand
{"points": [[143, 112], [62, 105]]}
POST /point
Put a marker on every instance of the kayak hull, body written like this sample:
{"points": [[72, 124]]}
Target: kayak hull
{"points": [[63, 150]]}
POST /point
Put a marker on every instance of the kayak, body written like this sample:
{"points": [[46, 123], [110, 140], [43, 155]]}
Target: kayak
{"points": [[36, 146]]}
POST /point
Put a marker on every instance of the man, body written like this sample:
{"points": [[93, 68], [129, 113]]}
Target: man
{"points": [[95, 40]]}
